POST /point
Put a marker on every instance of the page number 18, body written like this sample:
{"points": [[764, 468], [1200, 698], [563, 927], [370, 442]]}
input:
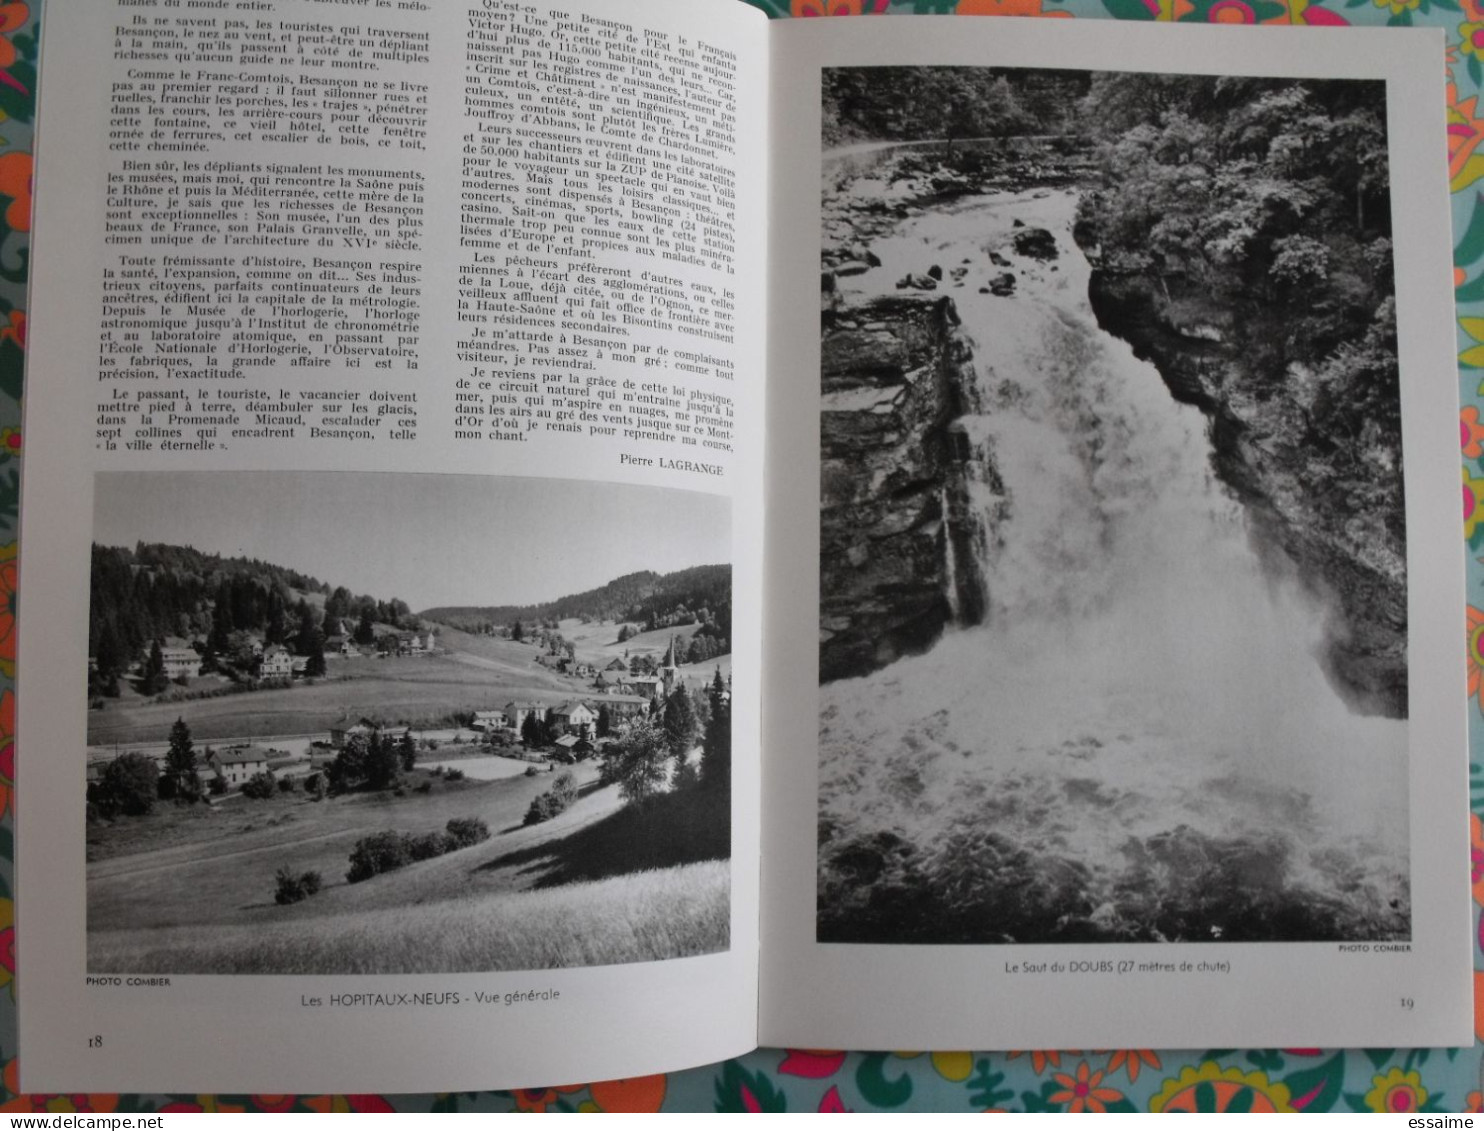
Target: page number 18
{"points": [[95, 1041]]}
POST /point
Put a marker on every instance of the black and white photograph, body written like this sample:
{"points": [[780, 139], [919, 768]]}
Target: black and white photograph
{"points": [[1113, 572], [374, 723]]}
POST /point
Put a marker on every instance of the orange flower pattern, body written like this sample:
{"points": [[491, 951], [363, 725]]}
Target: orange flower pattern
{"points": [[1082, 1091], [15, 183]]}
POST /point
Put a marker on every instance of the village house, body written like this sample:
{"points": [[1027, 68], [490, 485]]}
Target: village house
{"points": [[623, 709], [488, 721], [341, 731], [649, 686], [236, 764], [570, 748], [181, 662], [339, 645], [574, 719], [277, 663], [415, 644]]}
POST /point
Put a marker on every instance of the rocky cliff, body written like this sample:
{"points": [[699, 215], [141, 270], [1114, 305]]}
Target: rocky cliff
{"points": [[898, 557], [1318, 471]]}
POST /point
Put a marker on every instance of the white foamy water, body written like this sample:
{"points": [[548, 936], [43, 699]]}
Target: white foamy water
{"points": [[1138, 671]]}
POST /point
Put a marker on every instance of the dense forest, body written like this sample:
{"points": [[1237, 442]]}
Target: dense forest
{"points": [[646, 599], [1265, 200], [865, 104], [141, 596]]}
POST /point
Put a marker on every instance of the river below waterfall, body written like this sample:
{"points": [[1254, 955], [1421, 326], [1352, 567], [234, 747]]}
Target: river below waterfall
{"points": [[1138, 742]]}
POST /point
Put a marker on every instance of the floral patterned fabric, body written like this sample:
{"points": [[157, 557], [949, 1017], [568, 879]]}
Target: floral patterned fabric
{"points": [[1382, 1080]]}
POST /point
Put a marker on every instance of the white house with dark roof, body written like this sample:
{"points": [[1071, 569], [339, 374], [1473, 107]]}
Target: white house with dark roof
{"points": [[236, 764], [575, 718], [487, 721], [181, 662]]}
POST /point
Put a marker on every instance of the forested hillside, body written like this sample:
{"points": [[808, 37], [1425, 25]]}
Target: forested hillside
{"points": [[1259, 203], [865, 104], [646, 599], [156, 591]]}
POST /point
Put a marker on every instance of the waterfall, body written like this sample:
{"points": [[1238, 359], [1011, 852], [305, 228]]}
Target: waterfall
{"points": [[1142, 715], [950, 563]]}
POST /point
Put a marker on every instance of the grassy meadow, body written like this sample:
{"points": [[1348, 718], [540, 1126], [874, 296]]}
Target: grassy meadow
{"points": [[414, 688], [471, 672], [670, 913], [601, 883]]}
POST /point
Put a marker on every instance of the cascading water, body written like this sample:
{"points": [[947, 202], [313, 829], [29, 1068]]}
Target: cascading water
{"points": [[1138, 742], [950, 559]]}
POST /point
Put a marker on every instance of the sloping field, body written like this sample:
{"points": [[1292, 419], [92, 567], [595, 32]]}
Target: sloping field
{"points": [[223, 875], [207, 906], [671, 913], [599, 644]]}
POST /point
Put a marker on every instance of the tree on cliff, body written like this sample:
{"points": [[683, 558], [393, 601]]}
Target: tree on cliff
{"points": [[1261, 206]]}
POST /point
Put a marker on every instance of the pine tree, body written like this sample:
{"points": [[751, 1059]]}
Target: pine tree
{"points": [[408, 751], [278, 630], [155, 680], [383, 763], [679, 722], [304, 634], [110, 661], [180, 763], [716, 745], [316, 652]]}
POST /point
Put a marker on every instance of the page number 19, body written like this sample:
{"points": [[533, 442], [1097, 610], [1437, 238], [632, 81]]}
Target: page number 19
{"points": [[1406, 1002]]}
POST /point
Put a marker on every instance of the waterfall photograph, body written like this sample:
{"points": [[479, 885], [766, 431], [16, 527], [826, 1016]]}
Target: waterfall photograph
{"points": [[1113, 574]]}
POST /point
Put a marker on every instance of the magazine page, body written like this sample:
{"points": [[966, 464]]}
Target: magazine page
{"points": [[1131, 408], [392, 543]]}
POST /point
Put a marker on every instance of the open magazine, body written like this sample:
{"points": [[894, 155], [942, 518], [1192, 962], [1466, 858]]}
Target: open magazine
{"points": [[570, 541]]}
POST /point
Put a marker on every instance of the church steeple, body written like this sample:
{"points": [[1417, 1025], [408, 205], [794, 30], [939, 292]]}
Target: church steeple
{"points": [[668, 671]]}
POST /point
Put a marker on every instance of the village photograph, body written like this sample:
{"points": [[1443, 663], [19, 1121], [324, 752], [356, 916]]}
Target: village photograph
{"points": [[1113, 597], [347, 723]]}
